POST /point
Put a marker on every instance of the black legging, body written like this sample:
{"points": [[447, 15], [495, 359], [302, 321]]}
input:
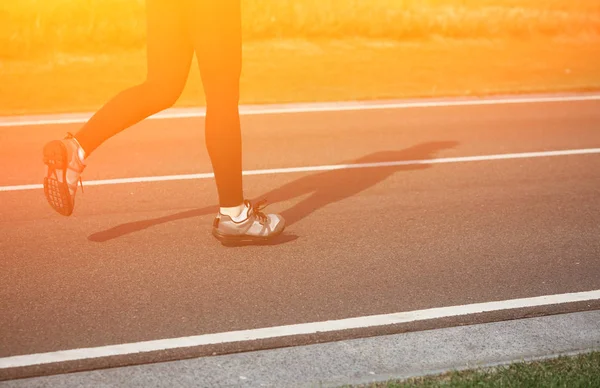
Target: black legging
{"points": [[175, 30]]}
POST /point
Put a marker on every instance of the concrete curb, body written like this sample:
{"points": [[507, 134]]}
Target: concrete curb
{"points": [[359, 361]]}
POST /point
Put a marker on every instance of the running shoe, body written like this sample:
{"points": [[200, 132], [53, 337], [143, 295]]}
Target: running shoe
{"points": [[64, 165], [251, 226]]}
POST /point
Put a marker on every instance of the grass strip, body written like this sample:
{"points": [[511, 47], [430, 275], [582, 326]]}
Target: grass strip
{"points": [[581, 371], [280, 71]]}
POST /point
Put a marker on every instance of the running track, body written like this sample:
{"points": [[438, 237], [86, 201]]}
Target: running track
{"points": [[389, 210]]}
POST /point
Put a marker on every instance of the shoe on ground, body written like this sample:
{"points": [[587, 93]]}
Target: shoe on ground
{"points": [[251, 226]]}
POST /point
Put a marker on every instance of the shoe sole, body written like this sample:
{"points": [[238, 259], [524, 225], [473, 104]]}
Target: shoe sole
{"points": [[230, 240], [56, 192]]}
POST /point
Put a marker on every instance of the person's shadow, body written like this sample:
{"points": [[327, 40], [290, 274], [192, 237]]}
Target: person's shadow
{"points": [[325, 187]]}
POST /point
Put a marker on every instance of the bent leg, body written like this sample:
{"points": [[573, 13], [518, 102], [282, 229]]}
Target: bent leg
{"points": [[169, 56]]}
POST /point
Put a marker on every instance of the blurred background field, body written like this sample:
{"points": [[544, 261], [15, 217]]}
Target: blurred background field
{"points": [[70, 55], [33, 27]]}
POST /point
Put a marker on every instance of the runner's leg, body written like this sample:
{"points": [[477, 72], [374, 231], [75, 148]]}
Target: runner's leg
{"points": [[215, 31], [169, 56]]}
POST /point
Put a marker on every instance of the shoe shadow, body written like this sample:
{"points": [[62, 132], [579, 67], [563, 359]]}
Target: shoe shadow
{"points": [[325, 188]]}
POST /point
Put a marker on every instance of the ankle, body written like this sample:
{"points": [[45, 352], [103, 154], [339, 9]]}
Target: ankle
{"points": [[81, 154], [233, 212]]}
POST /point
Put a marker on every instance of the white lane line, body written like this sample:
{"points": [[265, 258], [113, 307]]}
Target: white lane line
{"points": [[249, 110], [461, 159], [290, 330]]}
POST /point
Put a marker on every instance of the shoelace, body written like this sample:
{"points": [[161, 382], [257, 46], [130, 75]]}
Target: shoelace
{"points": [[257, 208]]}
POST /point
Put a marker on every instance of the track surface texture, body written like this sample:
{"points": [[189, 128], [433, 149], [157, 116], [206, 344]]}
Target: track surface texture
{"points": [[136, 261]]}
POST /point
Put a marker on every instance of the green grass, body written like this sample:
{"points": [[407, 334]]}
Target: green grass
{"points": [[281, 71], [582, 371], [37, 27], [73, 55]]}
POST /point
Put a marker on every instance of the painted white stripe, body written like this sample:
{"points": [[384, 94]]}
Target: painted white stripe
{"points": [[290, 330], [460, 159], [249, 110]]}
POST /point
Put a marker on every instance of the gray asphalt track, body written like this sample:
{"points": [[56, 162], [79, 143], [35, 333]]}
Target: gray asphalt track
{"points": [[137, 262]]}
